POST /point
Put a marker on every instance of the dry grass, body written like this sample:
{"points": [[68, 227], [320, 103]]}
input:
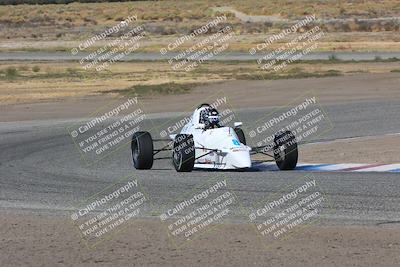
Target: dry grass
{"points": [[238, 44]]}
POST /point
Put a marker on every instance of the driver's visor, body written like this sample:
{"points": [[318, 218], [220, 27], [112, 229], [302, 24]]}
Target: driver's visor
{"points": [[213, 118]]}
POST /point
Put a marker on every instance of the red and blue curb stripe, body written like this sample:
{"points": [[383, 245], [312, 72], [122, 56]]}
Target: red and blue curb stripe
{"points": [[342, 167]]}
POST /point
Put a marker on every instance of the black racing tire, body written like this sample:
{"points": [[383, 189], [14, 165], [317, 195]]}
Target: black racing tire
{"points": [[142, 150], [285, 150], [240, 134], [183, 153]]}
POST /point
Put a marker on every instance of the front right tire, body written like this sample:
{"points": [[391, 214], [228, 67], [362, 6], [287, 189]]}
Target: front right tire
{"points": [[142, 150]]}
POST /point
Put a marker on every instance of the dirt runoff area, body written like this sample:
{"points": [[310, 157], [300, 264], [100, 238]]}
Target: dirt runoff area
{"points": [[371, 149], [53, 241]]}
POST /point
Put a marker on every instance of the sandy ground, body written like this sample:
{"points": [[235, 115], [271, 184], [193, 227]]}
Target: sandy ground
{"points": [[55, 81], [28, 240]]}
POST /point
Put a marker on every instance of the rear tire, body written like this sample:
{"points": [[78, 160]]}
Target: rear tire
{"points": [[183, 154], [240, 134], [142, 150], [285, 150]]}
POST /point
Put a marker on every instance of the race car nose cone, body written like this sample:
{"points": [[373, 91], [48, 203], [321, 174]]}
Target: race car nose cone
{"points": [[240, 159]]}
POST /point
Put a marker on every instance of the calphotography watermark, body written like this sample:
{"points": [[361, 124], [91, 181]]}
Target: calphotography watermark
{"points": [[200, 49], [304, 118], [199, 31], [114, 51], [287, 212], [128, 41], [113, 30], [108, 211], [199, 212], [108, 130], [298, 45]]}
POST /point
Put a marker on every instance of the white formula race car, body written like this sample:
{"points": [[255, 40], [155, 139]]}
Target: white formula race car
{"points": [[205, 144]]}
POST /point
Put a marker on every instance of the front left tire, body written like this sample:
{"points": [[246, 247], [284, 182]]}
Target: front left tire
{"points": [[285, 150]]}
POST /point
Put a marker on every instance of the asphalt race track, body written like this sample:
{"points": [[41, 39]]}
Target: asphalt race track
{"points": [[42, 171]]}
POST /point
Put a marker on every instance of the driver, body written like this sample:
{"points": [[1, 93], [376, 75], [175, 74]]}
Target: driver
{"points": [[211, 118]]}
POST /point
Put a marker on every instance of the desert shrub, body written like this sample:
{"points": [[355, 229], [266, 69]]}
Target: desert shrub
{"points": [[36, 69], [72, 72], [10, 73]]}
